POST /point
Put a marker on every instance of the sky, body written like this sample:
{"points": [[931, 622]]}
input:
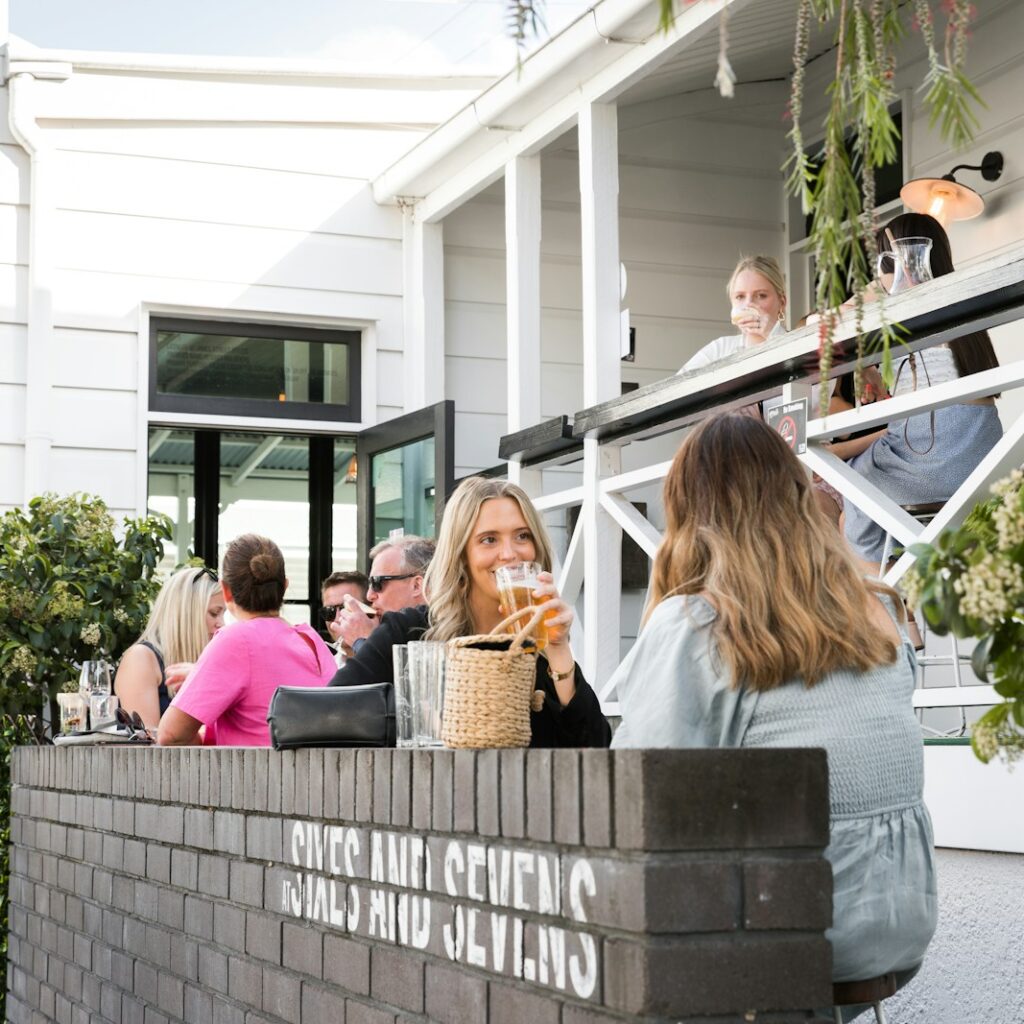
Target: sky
{"points": [[467, 35]]}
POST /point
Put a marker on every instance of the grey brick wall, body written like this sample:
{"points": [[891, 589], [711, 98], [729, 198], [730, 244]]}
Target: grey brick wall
{"points": [[556, 887]]}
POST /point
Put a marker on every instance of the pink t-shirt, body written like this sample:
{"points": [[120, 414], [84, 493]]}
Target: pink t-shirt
{"points": [[236, 675]]}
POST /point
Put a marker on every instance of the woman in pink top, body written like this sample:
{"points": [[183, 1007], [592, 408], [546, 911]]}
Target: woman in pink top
{"points": [[232, 682]]}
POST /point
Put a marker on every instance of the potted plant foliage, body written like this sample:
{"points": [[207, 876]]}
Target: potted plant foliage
{"points": [[971, 582]]}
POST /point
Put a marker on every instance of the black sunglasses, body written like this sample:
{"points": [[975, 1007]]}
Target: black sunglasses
{"points": [[377, 582], [204, 571], [330, 611], [133, 721]]}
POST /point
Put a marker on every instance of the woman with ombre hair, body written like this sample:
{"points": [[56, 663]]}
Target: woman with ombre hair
{"points": [[488, 524], [186, 613], [762, 632]]}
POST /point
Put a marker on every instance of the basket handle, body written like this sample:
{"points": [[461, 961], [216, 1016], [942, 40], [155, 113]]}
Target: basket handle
{"points": [[535, 612]]}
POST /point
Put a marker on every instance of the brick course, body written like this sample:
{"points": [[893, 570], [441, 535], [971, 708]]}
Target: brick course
{"points": [[199, 886]]}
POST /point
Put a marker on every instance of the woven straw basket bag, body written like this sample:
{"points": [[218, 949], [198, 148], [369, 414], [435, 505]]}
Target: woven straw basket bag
{"points": [[488, 686]]}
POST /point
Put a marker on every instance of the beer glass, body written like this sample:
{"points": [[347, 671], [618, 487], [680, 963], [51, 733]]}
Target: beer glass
{"points": [[426, 691], [516, 584], [403, 702]]}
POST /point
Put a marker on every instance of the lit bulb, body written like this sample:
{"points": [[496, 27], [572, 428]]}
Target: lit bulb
{"points": [[938, 209]]}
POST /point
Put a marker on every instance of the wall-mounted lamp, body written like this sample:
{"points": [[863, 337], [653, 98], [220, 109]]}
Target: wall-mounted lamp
{"points": [[352, 471], [945, 198]]}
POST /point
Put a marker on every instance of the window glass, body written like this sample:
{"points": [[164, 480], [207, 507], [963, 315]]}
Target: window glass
{"points": [[254, 370], [172, 489], [344, 535], [403, 490], [264, 489]]}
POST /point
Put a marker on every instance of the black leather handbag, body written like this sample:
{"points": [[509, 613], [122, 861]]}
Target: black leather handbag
{"points": [[332, 716]]}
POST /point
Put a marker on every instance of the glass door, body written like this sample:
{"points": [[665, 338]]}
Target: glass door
{"points": [[405, 471]]}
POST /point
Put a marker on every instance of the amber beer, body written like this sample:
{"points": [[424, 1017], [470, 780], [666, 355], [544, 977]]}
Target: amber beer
{"points": [[516, 584]]}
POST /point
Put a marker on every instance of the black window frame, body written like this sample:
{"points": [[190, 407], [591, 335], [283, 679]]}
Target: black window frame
{"points": [[263, 408]]}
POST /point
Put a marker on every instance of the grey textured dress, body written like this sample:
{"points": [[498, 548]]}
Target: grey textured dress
{"points": [[674, 693]]}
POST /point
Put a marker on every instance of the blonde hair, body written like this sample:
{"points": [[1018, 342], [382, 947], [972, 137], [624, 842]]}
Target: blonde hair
{"points": [[768, 268], [446, 584], [743, 529], [177, 622]]}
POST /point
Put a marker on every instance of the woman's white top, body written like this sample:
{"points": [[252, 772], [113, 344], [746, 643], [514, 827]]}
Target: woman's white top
{"points": [[726, 346], [934, 366]]}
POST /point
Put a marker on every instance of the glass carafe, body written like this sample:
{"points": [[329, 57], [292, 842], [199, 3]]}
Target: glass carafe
{"points": [[911, 259]]}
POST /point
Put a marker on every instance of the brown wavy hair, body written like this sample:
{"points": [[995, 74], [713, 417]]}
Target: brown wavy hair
{"points": [[743, 530]]}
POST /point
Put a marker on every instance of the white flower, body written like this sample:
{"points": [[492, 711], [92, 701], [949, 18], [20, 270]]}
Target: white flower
{"points": [[91, 634], [989, 589]]}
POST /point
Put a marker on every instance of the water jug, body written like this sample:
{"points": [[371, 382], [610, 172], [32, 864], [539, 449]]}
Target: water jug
{"points": [[911, 258]]}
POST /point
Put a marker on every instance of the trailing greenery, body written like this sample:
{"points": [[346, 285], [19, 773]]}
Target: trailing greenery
{"points": [[70, 591], [13, 733], [971, 582]]}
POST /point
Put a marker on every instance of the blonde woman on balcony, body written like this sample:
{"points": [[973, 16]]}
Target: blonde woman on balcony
{"points": [[757, 291], [762, 632]]}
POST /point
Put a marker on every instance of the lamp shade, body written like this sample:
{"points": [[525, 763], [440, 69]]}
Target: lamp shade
{"points": [[942, 198]]}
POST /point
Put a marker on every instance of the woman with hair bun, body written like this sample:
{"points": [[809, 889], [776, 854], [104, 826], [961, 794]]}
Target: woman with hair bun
{"points": [[230, 687]]}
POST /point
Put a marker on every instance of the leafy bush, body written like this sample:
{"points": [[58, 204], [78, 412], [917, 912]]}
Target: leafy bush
{"points": [[971, 582], [70, 591]]}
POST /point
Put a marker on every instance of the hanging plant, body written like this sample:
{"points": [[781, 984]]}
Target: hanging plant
{"points": [[837, 187], [842, 209]]}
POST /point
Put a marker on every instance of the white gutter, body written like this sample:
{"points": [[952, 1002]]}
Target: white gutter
{"points": [[22, 51], [22, 86], [593, 29]]}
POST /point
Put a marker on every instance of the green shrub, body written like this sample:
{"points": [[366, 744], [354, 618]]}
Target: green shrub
{"points": [[70, 590]]}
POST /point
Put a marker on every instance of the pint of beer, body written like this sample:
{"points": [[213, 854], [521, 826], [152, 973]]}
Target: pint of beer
{"points": [[516, 584]]}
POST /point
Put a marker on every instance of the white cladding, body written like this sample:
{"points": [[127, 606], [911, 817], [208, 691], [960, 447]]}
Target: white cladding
{"points": [[231, 194]]}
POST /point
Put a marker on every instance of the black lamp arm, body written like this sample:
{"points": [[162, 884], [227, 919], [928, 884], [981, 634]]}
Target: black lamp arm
{"points": [[991, 167]]}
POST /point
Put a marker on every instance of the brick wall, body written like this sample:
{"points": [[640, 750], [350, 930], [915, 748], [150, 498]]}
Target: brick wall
{"points": [[369, 887]]}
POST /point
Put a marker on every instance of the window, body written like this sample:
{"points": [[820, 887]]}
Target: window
{"points": [[253, 370]]}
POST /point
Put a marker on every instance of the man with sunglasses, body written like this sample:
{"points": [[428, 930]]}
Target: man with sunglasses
{"points": [[396, 582], [333, 591]]}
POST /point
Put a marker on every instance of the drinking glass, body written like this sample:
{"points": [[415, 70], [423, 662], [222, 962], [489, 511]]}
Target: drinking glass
{"points": [[72, 712], [94, 678], [516, 584], [102, 709], [403, 704], [426, 690]]}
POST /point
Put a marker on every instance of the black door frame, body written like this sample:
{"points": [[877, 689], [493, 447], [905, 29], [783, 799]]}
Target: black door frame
{"points": [[437, 421]]}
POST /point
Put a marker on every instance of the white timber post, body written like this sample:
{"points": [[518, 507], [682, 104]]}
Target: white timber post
{"points": [[602, 536], [423, 311], [522, 278]]}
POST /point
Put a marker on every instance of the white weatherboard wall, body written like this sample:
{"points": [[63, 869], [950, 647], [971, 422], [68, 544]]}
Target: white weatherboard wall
{"points": [[699, 185], [223, 193]]}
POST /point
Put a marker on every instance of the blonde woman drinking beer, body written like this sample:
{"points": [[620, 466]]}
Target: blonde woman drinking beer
{"points": [[489, 524]]}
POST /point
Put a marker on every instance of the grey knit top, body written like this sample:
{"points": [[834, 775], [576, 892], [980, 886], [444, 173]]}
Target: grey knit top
{"points": [[674, 692]]}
